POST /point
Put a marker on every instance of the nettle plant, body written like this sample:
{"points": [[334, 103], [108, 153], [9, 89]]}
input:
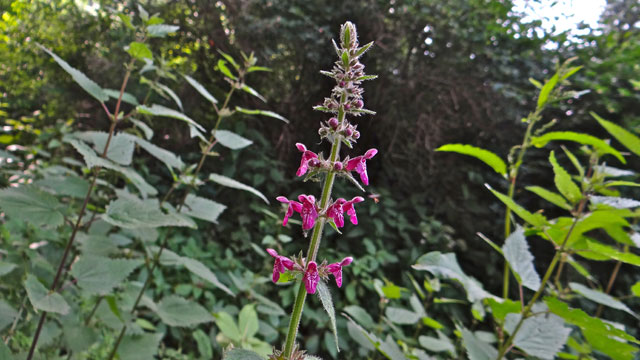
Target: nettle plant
{"points": [[80, 245], [545, 320]]}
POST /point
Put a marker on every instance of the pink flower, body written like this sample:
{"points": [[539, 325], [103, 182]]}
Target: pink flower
{"points": [[293, 205], [308, 212], [359, 164], [306, 156], [311, 277], [336, 269], [337, 209], [281, 265]]}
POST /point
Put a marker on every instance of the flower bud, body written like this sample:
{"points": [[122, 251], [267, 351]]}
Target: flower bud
{"points": [[337, 166], [348, 131], [356, 135], [359, 104], [342, 84], [314, 162], [333, 122], [347, 106]]}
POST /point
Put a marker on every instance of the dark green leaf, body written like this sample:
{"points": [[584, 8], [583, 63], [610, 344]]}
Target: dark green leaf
{"points": [[99, 275], [177, 311], [228, 182], [43, 299], [30, 204], [132, 213]]}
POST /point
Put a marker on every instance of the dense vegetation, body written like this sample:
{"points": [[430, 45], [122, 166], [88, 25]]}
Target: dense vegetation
{"points": [[144, 145]]}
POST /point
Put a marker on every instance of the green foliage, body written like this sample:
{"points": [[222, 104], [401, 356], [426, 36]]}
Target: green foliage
{"points": [[486, 156]]}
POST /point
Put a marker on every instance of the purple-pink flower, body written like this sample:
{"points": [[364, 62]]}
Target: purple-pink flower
{"points": [[337, 209], [359, 164], [311, 277], [281, 265], [306, 156], [336, 269], [309, 213], [293, 205]]}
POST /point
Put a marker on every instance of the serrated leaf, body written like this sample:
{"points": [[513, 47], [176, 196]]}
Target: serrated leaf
{"points": [[199, 269], [159, 110], [139, 347], [546, 90], [161, 30], [231, 140], [81, 79], [486, 156], [501, 307], [600, 298], [177, 311], [228, 182], [542, 335], [222, 66], [7, 314], [537, 220], [139, 50], [248, 321], [516, 252], [563, 181], [585, 139], [202, 208], [132, 213], [252, 91], [614, 201], [327, 303], [32, 205], [171, 94], [167, 157], [241, 354], [401, 316], [626, 138], [201, 89], [120, 149], [609, 253], [126, 97], [261, 112], [550, 196], [77, 337], [446, 266], [73, 186], [476, 348], [99, 275], [42, 299]]}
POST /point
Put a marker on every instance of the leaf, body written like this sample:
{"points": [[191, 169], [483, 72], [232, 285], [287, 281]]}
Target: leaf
{"points": [[177, 311], [81, 79], [222, 66], [360, 315], [439, 344], [131, 213], [230, 59], [546, 90], [148, 132], [204, 344], [231, 140], [635, 290], [611, 253], [614, 201], [202, 208], [261, 112], [585, 139], [486, 156], [252, 91], [199, 269], [161, 30], [126, 97], [327, 303], [241, 354], [201, 89], [73, 186], [446, 266], [228, 182], [629, 140], [228, 326], [248, 321], [7, 315], [257, 68], [121, 145], [501, 307], [32, 205], [550, 196], [476, 348], [542, 336], [600, 298], [401, 316], [43, 299], [171, 94], [516, 252], [388, 348], [139, 51], [99, 275], [139, 347], [537, 220], [6, 267], [563, 181], [167, 157], [159, 110]]}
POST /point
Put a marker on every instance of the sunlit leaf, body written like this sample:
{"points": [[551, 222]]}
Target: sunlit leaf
{"points": [[516, 252], [261, 112], [161, 30], [231, 140], [201, 89], [563, 181], [629, 140], [486, 156]]}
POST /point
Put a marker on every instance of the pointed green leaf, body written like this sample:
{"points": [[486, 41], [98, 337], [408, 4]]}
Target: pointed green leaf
{"points": [[202, 208], [7, 315], [148, 132], [585, 139], [231, 140], [476, 348], [139, 50], [29, 203], [261, 112], [161, 30], [121, 145], [130, 213], [6, 267], [439, 344], [546, 90], [327, 303], [489, 158], [542, 336], [257, 68], [42, 299], [563, 181], [228, 182], [550, 196], [201, 270], [171, 94], [253, 92], [81, 79], [222, 66], [626, 138], [635, 290], [167, 157], [228, 326], [360, 315], [126, 97], [139, 347], [248, 321], [201, 89], [516, 252], [537, 220], [600, 298], [159, 110], [230, 59], [99, 275], [177, 311], [401, 316]]}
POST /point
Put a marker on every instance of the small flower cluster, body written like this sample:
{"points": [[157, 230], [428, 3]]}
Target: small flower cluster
{"points": [[346, 99], [313, 272]]}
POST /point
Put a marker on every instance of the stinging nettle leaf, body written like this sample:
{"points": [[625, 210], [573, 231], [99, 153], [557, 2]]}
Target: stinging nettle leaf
{"points": [[42, 299], [600, 298], [516, 252], [615, 202], [202, 208], [159, 110], [161, 30], [537, 220], [550, 196], [585, 139], [139, 347], [253, 92], [231, 140], [201, 89], [476, 348], [261, 112], [32, 205], [222, 66], [241, 354], [248, 321], [167, 157], [563, 181], [546, 90], [542, 335], [81, 79], [131, 213], [99, 275], [486, 156], [171, 94], [401, 316], [327, 303], [126, 97], [177, 311], [229, 182], [139, 50], [626, 138], [199, 269]]}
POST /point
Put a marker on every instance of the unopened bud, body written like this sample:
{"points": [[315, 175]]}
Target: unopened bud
{"points": [[356, 135], [347, 106], [337, 166], [333, 122], [359, 104], [342, 83], [348, 131]]}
